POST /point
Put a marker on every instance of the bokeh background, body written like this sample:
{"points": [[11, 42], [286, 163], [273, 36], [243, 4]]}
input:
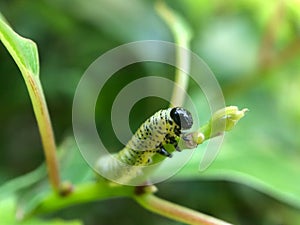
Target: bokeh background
{"points": [[252, 47]]}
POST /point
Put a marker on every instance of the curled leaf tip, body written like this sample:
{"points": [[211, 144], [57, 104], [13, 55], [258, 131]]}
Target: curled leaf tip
{"points": [[228, 117], [233, 117]]}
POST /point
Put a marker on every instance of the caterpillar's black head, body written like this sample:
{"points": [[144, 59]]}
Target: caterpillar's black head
{"points": [[182, 117]]}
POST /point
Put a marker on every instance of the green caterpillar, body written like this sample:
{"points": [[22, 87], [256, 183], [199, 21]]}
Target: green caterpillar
{"points": [[160, 130]]}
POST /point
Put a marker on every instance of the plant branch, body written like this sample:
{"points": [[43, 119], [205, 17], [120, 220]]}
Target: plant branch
{"points": [[182, 35], [175, 212], [266, 53], [82, 193]]}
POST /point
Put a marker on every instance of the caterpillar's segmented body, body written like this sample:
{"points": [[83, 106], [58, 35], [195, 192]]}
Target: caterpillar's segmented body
{"points": [[161, 129]]}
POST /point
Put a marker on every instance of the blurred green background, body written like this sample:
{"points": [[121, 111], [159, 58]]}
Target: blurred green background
{"points": [[252, 47]]}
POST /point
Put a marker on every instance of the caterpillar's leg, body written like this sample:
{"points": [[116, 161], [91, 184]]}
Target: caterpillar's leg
{"points": [[164, 152]]}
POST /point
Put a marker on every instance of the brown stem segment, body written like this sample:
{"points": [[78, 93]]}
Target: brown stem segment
{"points": [[182, 34], [43, 120], [176, 212], [267, 51]]}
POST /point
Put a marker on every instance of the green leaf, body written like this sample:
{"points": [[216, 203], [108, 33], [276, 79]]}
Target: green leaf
{"points": [[15, 185], [73, 168], [23, 50], [33, 187]]}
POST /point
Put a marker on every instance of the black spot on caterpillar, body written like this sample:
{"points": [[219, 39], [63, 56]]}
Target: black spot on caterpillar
{"points": [[161, 129]]}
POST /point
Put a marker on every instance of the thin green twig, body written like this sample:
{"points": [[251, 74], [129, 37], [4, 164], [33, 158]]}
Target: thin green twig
{"points": [[82, 193], [176, 212]]}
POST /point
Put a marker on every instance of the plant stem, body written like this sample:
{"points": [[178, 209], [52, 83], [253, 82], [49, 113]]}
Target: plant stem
{"points": [[176, 212], [43, 120], [266, 56], [82, 193], [182, 36]]}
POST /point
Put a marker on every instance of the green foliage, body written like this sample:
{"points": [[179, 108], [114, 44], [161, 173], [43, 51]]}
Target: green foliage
{"points": [[262, 152], [73, 168], [23, 51]]}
